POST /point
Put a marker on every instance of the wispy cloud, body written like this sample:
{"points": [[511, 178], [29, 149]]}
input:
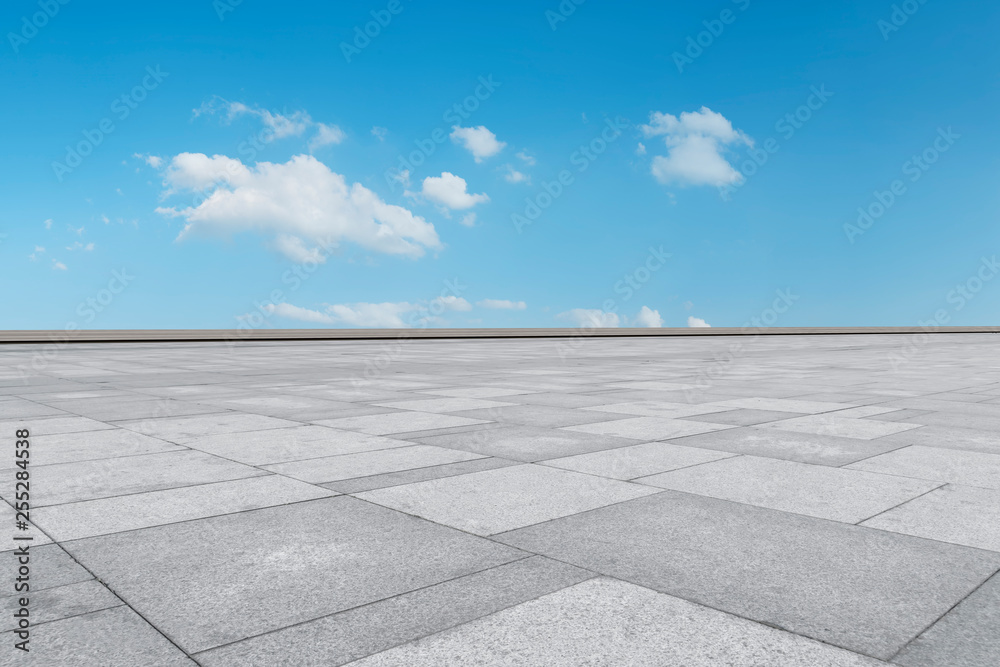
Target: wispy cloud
{"points": [[477, 140], [696, 142]]}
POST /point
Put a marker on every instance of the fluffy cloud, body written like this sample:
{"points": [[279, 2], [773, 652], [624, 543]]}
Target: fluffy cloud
{"points": [[528, 159], [451, 191], [502, 304], [515, 176], [469, 220], [477, 140], [58, 266], [695, 144], [300, 199], [278, 126], [401, 315], [648, 317], [291, 312], [594, 319], [697, 322]]}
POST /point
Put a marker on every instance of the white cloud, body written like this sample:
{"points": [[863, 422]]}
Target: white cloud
{"points": [[640, 149], [515, 176], [58, 266], [695, 144], [80, 246], [326, 135], [697, 322], [528, 159], [291, 312], [451, 303], [300, 198], [295, 249], [154, 161], [477, 140], [469, 220], [450, 190], [648, 317], [380, 132], [48, 223], [596, 319], [375, 315], [400, 315], [502, 304], [38, 251]]}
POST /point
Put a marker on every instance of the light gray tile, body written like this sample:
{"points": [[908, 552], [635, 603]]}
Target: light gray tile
{"points": [[52, 425], [52, 604], [493, 501], [637, 460], [743, 417], [944, 465], [71, 447], [838, 583], [648, 428], [609, 622], [363, 464], [831, 424], [214, 581], [784, 405], [398, 422], [142, 510], [441, 405], [543, 416], [388, 479], [525, 443], [280, 445], [50, 567], [820, 491], [182, 429]]}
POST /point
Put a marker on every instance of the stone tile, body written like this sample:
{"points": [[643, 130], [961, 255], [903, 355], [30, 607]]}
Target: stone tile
{"points": [[51, 567], [442, 405], [52, 425], [89, 480], [648, 428], [116, 637], [116, 409], [543, 416], [71, 447], [948, 438], [653, 385], [838, 583], [831, 424], [837, 494], [742, 417], [493, 501], [558, 400], [349, 635], [475, 392], [215, 581], [966, 636], [18, 408], [53, 604], [525, 443], [627, 463], [142, 510], [965, 515], [281, 445], [607, 622], [388, 479], [944, 465], [7, 518], [364, 464], [665, 409], [398, 422], [784, 405], [183, 429]]}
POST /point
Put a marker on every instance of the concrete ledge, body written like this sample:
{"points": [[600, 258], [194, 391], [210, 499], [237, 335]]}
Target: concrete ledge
{"points": [[201, 335]]}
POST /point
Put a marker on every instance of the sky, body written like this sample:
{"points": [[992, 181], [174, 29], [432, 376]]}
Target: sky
{"points": [[201, 164]]}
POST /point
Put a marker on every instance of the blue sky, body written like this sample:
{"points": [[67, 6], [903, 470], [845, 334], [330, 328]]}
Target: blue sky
{"points": [[244, 164]]}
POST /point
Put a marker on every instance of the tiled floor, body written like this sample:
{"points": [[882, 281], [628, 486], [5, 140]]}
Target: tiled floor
{"points": [[644, 501]]}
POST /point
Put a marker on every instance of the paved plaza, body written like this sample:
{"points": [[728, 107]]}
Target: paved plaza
{"points": [[691, 501]]}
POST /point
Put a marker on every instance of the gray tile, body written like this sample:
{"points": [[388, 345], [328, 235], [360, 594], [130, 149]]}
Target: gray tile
{"points": [[525, 443], [388, 479], [784, 405], [19, 408], [944, 465], [543, 416], [117, 409], [841, 427], [71, 447], [51, 567], [837, 494], [743, 417], [89, 480], [493, 501], [948, 438], [837, 583], [607, 622], [965, 515], [52, 604], [442, 405], [349, 635], [115, 637], [141, 510], [637, 460], [475, 392], [52, 425], [182, 429], [665, 409], [281, 445], [648, 428], [398, 422], [364, 464], [214, 581], [803, 447], [558, 400], [966, 636]]}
